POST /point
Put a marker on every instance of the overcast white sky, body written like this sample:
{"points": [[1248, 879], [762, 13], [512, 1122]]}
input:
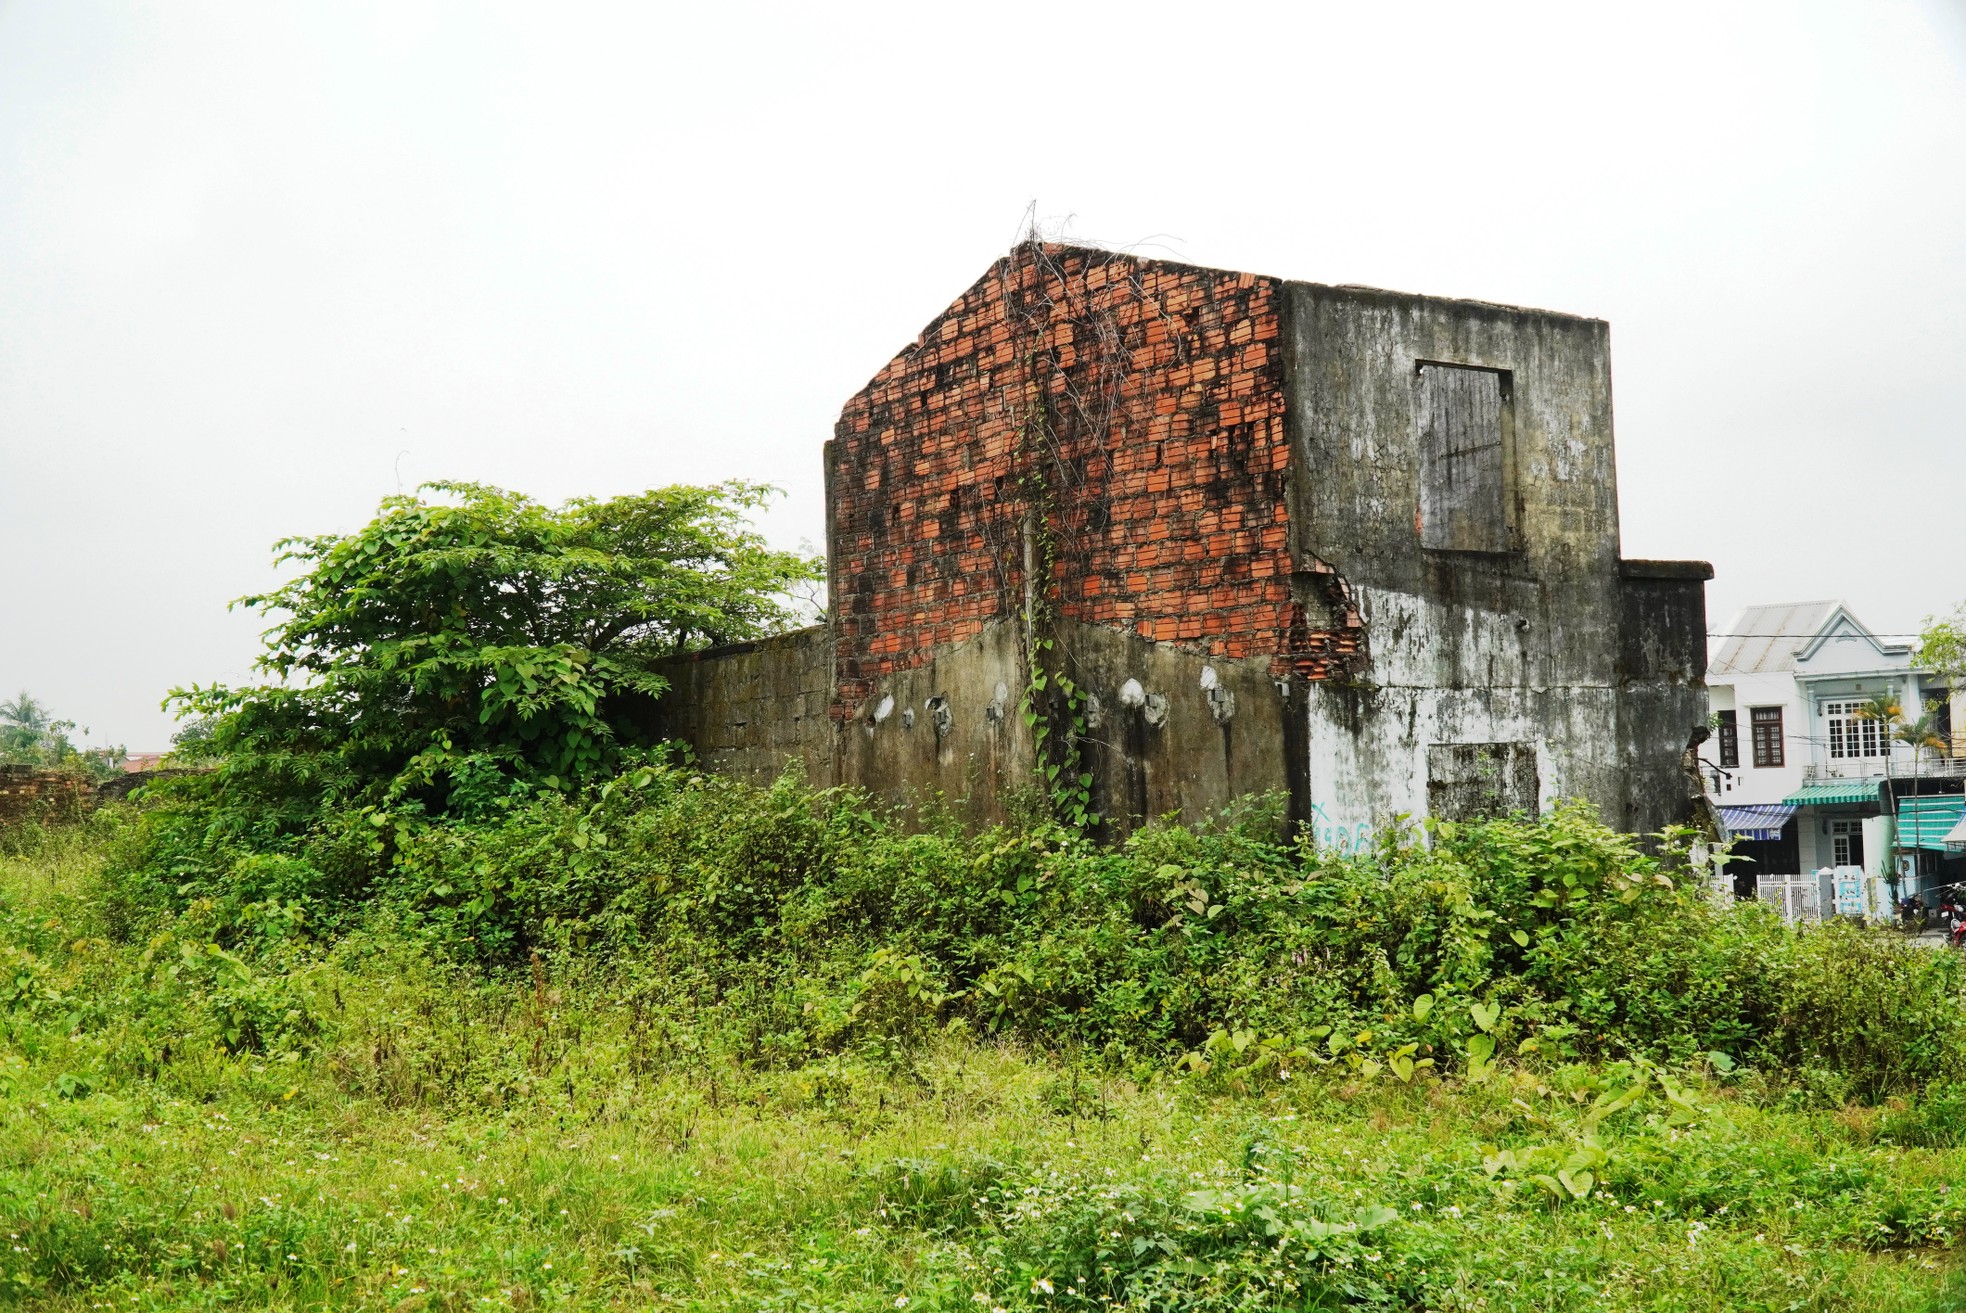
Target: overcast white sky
{"points": [[261, 264]]}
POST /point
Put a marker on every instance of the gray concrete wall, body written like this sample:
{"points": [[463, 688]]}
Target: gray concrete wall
{"points": [[1522, 647], [1662, 664], [748, 708], [950, 728], [1172, 732], [1166, 730]]}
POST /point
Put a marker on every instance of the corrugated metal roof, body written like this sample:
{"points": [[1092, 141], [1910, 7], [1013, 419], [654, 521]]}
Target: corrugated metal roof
{"points": [[1925, 822], [1765, 637], [1817, 795]]}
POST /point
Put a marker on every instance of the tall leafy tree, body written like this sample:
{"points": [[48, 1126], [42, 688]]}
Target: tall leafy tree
{"points": [[471, 644], [1942, 649], [1942, 644]]}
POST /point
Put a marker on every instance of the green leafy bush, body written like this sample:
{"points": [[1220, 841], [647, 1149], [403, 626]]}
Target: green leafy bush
{"points": [[821, 922], [682, 1037], [460, 652]]}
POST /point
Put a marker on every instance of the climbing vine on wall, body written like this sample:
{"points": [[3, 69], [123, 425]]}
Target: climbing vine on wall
{"points": [[1065, 407]]}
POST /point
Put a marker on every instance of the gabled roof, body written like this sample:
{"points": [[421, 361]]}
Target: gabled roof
{"points": [[1841, 625], [1764, 639]]}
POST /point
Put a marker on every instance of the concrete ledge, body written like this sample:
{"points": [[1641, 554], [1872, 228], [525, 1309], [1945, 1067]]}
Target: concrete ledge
{"points": [[1701, 570]]}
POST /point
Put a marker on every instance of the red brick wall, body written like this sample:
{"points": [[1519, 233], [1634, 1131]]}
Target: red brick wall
{"points": [[1139, 404], [31, 793]]}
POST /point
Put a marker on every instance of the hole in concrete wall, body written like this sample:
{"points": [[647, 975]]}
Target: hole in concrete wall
{"points": [[939, 715], [1094, 713], [1465, 417], [907, 718], [1131, 694], [997, 704], [1479, 781], [1156, 712], [885, 709]]}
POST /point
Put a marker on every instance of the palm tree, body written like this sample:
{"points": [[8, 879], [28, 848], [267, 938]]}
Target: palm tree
{"points": [[24, 713], [1888, 710], [1919, 735], [30, 734]]}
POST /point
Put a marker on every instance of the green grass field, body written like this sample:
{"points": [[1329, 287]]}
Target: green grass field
{"points": [[467, 1141]]}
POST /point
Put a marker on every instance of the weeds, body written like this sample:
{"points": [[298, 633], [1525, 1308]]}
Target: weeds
{"points": [[770, 1049]]}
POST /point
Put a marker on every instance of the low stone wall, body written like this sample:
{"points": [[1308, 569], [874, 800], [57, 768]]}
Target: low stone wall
{"points": [[34, 793], [748, 708], [1167, 730], [118, 787]]}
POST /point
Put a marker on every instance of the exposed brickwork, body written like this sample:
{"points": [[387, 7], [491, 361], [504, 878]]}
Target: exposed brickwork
{"points": [[1139, 407], [29, 792], [1331, 649]]}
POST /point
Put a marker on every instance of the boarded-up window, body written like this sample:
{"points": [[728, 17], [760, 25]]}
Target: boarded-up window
{"points": [[1477, 781], [1464, 425]]}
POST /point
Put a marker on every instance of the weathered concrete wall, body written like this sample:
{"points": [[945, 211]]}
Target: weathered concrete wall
{"points": [[1358, 546], [1662, 664], [30, 792], [1172, 731], [748, 708], [949, 726], [1521, 649], [1166, 729]]}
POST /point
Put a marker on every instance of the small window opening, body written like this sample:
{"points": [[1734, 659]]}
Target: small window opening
{"points": [[1730, 739], [1466, 440]]}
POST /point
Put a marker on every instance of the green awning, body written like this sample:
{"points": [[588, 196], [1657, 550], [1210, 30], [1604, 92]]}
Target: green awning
{"points": [[1819, 795], [1925, 822]]}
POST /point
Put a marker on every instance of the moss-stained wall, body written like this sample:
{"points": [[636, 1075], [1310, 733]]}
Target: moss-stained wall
{"points": [[1528, 650], [749, 708], [1244, 514]]}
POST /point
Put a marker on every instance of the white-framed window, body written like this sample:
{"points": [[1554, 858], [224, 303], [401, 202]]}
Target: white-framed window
{"points": [[1851, 735], [1847, 839]]}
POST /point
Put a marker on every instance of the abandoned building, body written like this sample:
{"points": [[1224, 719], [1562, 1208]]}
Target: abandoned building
{"points": [[1147, 537]]}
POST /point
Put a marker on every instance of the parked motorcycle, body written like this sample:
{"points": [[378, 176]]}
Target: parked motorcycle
{"points": [[1952, 916]]}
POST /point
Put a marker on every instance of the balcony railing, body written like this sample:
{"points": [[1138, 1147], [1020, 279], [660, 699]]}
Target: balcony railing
{"points": [[1871, 768]]}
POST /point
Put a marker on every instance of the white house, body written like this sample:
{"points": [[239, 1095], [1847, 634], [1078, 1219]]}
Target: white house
{"points": [[1806, 782]]}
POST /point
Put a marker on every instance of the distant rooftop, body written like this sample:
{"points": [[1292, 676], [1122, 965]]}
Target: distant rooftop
{"points": [[1763, 639]]}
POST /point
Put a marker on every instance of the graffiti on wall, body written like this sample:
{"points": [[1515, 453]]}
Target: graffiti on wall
{"points": [[1343, 837]]}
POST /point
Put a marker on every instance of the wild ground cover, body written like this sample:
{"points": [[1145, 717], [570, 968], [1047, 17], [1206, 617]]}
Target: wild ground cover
{"points": [[677, 1042]]}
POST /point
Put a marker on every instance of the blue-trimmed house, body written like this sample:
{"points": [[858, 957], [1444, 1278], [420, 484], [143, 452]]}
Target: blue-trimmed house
{"points": [[1814, 791]]}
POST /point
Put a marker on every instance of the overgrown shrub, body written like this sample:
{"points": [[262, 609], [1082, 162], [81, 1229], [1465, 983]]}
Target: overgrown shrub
{"points": [[815, 921]]}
